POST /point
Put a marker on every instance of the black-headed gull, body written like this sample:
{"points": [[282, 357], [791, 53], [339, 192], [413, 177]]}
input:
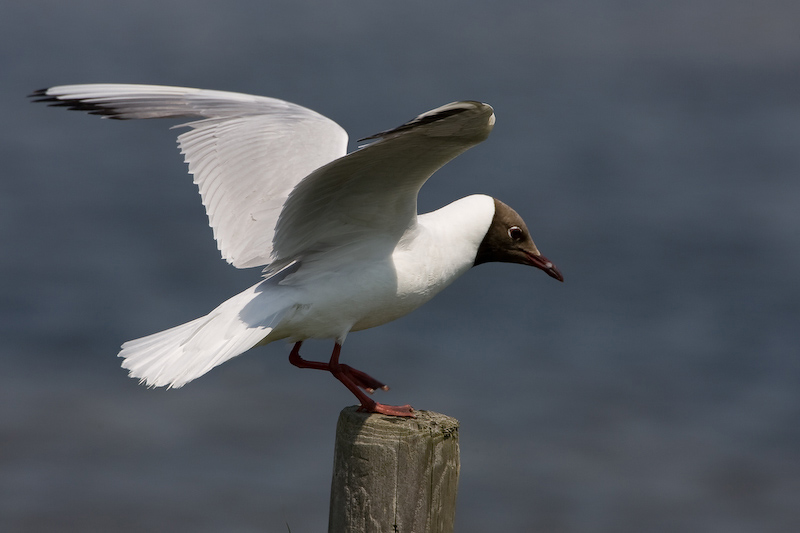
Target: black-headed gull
{"points": [[338, 234]]}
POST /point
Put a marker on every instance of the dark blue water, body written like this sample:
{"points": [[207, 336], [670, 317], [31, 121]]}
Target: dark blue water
{"points": [[654, 150]]}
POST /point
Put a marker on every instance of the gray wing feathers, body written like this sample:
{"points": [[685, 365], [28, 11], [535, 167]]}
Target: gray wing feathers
{"points": [[267, 160], [373, 191], [246, 153], [271, 174]]}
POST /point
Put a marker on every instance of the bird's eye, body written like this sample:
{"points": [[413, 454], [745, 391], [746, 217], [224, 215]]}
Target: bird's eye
{"points": [[515, 233]]}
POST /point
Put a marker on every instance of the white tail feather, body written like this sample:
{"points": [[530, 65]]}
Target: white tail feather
{"points": [[178, 355]]}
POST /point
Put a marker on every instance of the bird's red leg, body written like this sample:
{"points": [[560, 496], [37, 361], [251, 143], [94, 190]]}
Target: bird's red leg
{"points": [[299, 362], [361, 379], [352, 379], [367, 404]]}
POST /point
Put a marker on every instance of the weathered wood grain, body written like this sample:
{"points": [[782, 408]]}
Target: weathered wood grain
{"points": [[393, 474]]}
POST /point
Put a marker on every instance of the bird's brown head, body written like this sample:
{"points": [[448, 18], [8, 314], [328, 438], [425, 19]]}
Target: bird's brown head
{"points": [[509, 241]]}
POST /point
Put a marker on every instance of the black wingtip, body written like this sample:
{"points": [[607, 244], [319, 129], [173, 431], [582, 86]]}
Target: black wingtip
{"points": [[74, 104], [434, 115], [38, 93], [41, 95]]}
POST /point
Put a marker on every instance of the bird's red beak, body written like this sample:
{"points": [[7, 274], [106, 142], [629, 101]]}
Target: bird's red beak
{"points": [[543, 263]]}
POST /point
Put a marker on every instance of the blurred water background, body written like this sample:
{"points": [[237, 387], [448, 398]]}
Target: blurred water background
{"points": [[654, 150]]}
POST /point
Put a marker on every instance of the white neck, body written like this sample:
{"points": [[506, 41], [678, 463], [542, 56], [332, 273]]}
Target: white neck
{"points": [[447, 239]]}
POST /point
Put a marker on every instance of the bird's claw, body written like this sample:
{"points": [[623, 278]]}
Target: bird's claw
{"points": [[362, 379], [390, 410]]}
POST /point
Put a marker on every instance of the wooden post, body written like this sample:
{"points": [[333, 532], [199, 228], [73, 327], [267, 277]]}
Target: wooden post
{"points": [[393, 474]]}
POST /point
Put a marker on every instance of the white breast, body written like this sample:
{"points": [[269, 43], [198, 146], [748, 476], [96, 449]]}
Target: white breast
{"points": [[431, 256], [358, 295]]}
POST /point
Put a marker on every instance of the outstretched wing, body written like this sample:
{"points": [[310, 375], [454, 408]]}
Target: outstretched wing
{"points": [[246, 152], [372, 192]]}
